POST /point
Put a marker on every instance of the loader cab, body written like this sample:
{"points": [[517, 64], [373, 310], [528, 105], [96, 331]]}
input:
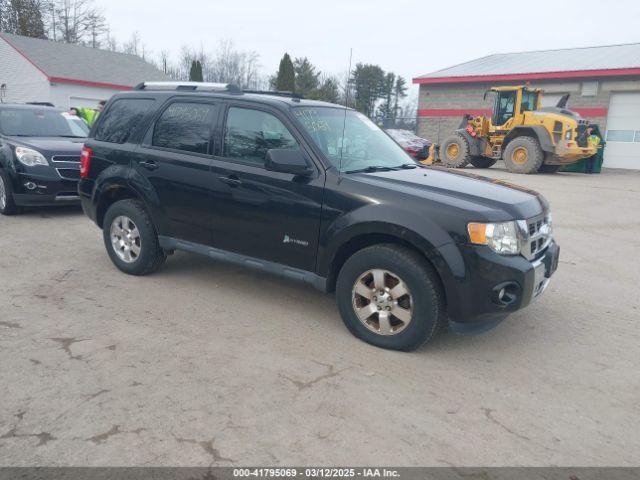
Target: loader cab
{"points": [[510, 102]]}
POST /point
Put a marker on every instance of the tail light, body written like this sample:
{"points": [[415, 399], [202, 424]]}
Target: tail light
{"points": [[85, 161]]}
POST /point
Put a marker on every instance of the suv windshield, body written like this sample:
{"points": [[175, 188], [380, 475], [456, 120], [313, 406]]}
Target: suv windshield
{"points": [[362, 147], [25, 122]]}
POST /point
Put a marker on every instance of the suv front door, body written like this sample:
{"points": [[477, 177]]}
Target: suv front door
{"points": [[259, 213]]}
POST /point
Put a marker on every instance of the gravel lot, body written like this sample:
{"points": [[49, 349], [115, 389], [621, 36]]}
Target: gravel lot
{"points": [[205, 363]]}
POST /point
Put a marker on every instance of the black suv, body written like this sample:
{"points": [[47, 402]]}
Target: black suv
{"points": [[39, 156], [318, 193]]}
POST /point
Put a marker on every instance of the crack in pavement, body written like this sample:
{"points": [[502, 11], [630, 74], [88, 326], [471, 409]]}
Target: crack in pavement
{"points": [[115, 430], [10, 324], [65, 344], [43, 437], [207, 446], [97, 394], [488, 412], [304, 385]]}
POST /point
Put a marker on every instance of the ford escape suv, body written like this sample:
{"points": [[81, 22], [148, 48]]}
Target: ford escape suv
{"points": [[318, 193], [39, 156]]}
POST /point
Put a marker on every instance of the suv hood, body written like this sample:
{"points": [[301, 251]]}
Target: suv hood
{"points": [[466, 191], [50, 145]]}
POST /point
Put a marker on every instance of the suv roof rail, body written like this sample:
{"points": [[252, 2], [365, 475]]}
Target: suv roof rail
{"points": [[277, 93], [189, 86]]}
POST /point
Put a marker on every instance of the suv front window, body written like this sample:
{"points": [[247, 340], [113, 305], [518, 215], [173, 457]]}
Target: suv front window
{"points": [[349, 140], [250, 133]]}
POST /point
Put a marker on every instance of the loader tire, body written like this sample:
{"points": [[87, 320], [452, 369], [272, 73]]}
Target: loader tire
{"points": [[482, 162], [523, 155], [455, 151]]}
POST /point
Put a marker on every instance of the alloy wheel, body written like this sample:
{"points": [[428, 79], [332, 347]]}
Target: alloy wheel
{"points": [[125, 239], [382, 302], [3, 194]]}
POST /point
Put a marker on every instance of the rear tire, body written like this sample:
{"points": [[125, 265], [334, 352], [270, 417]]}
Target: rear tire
{"points": [[455, 151], [7, 203], [482, 162], [549, 168], [523, 155], [361, 289], [131, 239]]}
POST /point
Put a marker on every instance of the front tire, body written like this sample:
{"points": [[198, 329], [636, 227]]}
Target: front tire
{"points": [[7, 203], [131, 239], [390, 297], [523, 155], [455, 151]]}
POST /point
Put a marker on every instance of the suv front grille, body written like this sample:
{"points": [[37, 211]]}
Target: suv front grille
{"points": [[538, 236]]}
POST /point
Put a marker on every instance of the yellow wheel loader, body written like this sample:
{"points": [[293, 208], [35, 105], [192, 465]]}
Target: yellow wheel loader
{"points": [[527, 137]]}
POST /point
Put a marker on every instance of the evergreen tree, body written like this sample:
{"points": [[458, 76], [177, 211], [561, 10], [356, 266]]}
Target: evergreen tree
{"points": [[195, 72], [367, 81], [307, 78], [399, 92], [22, 17], [386, 108], [286, 77]]}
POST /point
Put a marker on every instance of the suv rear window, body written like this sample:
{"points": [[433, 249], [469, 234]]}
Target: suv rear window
{"points": [[185, 126], [121, 119]]}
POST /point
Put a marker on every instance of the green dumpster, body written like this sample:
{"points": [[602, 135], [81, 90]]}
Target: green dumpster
{"points": [[592, 164]]}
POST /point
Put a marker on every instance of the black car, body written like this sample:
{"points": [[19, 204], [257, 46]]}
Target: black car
{"points": [[317, 193], [39, 156]]}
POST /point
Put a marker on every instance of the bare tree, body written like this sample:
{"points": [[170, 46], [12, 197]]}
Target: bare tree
{"points": [[75, 21], [235, 66]]}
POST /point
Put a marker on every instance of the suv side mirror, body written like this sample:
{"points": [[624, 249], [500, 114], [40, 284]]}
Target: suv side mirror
{"points": [[287, 161]]}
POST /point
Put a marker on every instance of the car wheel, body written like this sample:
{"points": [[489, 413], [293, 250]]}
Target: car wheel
{"points": [[455, 151], [131, 239], [7, 204], [482, 162], [390, 297], [523, 155]]}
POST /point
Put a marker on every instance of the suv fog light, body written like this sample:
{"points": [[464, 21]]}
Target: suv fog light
{"points": [[505, 293], [30, 186]]}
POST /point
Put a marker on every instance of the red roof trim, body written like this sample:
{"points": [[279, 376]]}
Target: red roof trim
{"points": [[591, 111], [614, 72], [459, 112], [23, 55], [74, 81], [452, 112]]}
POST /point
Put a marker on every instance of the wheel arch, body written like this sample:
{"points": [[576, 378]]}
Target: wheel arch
{"points": [[376, 234], [535, 131]]}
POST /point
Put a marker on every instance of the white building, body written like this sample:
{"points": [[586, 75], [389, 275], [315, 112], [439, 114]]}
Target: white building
{"points": [[34, 70]]}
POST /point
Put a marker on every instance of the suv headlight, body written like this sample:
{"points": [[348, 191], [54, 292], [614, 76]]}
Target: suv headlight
{"points": [[30, 157], [502, 238]]}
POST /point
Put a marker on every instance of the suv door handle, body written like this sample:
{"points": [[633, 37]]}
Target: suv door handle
{"points": [[149, 164], [231, 180]]}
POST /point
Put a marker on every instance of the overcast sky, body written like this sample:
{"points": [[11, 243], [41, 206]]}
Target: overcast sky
{"points": [[407, 37]]}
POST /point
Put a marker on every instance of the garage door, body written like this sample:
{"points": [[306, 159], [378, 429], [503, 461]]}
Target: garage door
{"points": [[623, 131]]}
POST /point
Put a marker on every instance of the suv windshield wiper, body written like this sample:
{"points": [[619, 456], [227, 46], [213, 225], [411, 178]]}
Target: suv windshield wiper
{"points": [[382, 168]]}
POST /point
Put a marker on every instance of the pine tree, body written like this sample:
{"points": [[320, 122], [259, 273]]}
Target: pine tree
{"points": [[286, 77], [306, 76], [195, 72], [22, 17]]}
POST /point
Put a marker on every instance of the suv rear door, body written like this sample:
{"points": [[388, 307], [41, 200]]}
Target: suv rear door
{"points": [[175, 156], [255, 212]]}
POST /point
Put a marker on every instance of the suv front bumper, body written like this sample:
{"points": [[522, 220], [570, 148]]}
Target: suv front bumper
{"points": [[494, 286], [44, 190]]}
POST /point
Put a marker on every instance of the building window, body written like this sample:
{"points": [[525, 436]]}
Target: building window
{"points": [[622, 136]]}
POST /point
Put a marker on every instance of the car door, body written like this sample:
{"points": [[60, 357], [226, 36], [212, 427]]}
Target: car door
{"points": [[259, 213], [175, 157]]}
